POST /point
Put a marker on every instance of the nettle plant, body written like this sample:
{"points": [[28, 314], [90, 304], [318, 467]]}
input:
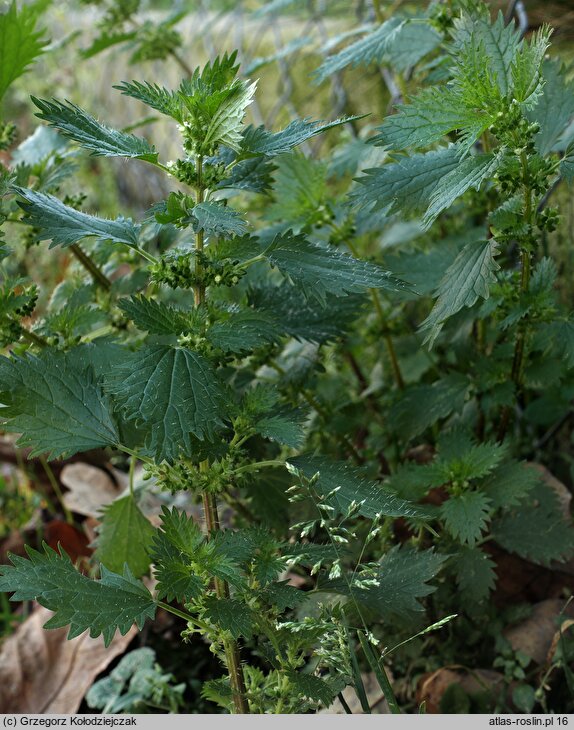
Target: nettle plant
{"points": [[494, 128], [167, 364]]}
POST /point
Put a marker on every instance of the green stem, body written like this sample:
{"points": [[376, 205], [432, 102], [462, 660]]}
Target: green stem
{"points": [[520, 342], [256, 465], [90, 265], [32, 338], [231, 648]]}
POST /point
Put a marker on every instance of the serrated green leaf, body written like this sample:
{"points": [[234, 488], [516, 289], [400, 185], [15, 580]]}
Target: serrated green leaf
{"points": [[352, 484], [157, 97], [466, 516], [469, 173], [320, 270], [526, 69], [216, 219], [475, 574], [258, 141], [500, 41], [432, 114], [253, 174], [155, 317], [423, 405], [125, 536], [64, 225], [20, 43], [368, 49], [105, 41], [102, 606], [303, 319], [174, 393], [407, 183], [537, 530], [244, 332], [555, 106], [311, 687], [401, 42], [77, 125], [230, 615], [403, 576], [283, 596], [57, 406], [175, 545], [467, 279], [298, 190], [510, 483]]}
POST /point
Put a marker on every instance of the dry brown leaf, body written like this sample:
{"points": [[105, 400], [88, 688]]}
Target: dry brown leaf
{"points": [[534, 635], [556, 640], [90, 489], [473, 681], [42, 672]]}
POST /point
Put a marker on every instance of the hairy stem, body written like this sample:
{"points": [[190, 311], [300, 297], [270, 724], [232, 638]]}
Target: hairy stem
{"points": [[231, 648], [90, 265], [519, 345]]}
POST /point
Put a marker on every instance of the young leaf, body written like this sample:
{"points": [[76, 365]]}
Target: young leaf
{"points": [[467, 279], [57, 406], [124, 537], [216, 219], [466, 516], [74, 123], [157, 97], [65, 225], [174, 546], [175, 393], [475, 574], [20, 43], [258, 141], [319, 270], [155, 317], [102, 606], [346, 484], [500, 41]]}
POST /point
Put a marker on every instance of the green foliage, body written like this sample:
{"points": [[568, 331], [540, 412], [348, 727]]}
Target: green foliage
{"points": [[20, 43], [403, 43], [465, 516], [173, 393], [320, 271], [469, 277], [63, 225], [125, 537], [115, 602], [342, 485], [475, 575], [401, 580], [77, 125], [264, 315], [57, 407]]}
